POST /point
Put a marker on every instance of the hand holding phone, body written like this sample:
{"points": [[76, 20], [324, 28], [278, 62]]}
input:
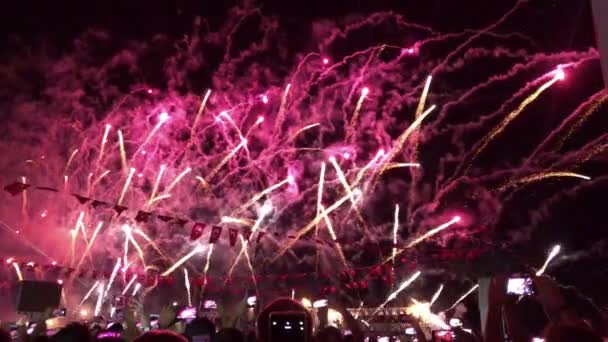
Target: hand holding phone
{"points": [[521, 286]]}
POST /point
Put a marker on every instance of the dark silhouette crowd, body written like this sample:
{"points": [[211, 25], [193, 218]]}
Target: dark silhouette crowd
{"points": [[569, 317]]}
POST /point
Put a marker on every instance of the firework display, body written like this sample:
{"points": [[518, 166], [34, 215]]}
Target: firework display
{"points": [[280, 163]]}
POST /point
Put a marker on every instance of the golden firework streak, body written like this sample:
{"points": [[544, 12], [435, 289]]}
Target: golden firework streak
{"points": [[498, 129], [541, 176]]}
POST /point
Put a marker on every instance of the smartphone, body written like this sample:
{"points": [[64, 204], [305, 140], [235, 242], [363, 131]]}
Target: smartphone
{"points": [[31, 328], [383, 339], [154, 322], [410, 331], [251, 301], [520, 286], [209, 304], [61, 312], [443, 336], [288, 326], [455, 322], [538, 339], [187, 313]]}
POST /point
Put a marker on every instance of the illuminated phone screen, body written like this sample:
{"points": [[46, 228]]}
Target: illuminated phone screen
{"points": [[288, 326]]}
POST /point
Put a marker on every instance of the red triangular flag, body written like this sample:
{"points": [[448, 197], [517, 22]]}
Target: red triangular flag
{"points": [[232, 234], [216, 232], [197, 230], [142, 216], [259, 237], [97, 203], [81, 199], [247, 235], [181, 222], [165, 218], [119, 209], [16, 188]]}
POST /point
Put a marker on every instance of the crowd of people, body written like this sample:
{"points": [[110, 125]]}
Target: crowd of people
{"points": [[569, 317]]}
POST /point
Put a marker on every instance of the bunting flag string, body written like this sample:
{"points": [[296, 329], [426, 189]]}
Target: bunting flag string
{"points": [[198, 228]]}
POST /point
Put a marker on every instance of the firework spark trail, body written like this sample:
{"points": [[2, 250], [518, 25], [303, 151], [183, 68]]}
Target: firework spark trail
{"points": [[123, 154], [177, 179], [311, 224], [419, 111], [69, 162], [427, 235], [90, 244], [163, 117], [206, 269], [395, 293], [105, 173], [104, 140], [126, 186], [100, 295], [433, 231], [391, 166], [320, 194], [88, 294], [159, 198], [18, 271], [236, 220], [367, 166], [265, 192], [395, 231], [580, 114], [157, 183], [347, 188], [185, 258], [225, 114], [126, 229], [554, 252], [305, 128], [334, 238], [463, 297], [230, 155], [559, 75], [126, 289], [140, 252], [422, 311], [250, 265], [112, 276], [200, 111], [541, 176], [79, 226], [152, 243], [281, 115], [265, 211], [24, 199], [74, 235], [398, 145], [350, 131], [136, 289], [187, 284], [436, 295]]}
